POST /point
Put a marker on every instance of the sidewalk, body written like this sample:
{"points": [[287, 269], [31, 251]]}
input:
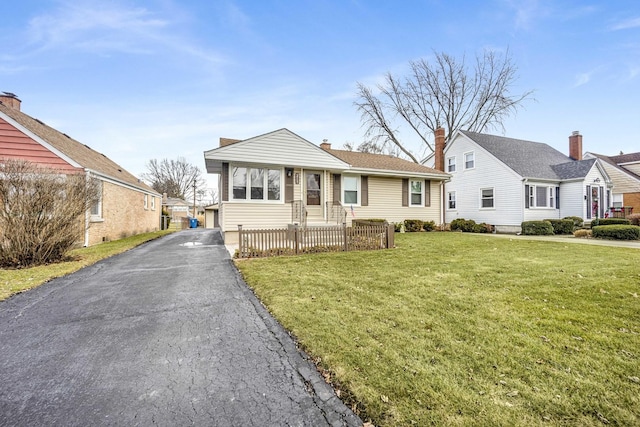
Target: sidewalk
{"points": [[633, 244]]}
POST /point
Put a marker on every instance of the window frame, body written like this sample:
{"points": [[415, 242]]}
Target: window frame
{"points": [[449, 200], [145, 202], [248, 175], [549, 196], [464, 159], [343, 188], [96, 217], [451, 166], [153, 203], [493, 198], [411, 193]]}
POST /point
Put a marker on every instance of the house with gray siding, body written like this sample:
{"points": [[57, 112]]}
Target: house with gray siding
{"points": [[280, 178], [505, 181]]}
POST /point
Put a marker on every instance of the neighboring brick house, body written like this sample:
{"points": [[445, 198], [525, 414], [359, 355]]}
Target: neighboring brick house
{"points": [[624, 170], [127, 205]]}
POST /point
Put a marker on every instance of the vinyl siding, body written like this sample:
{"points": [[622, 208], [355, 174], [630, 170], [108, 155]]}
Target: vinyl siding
{"points": [[255, 215], [488, 172], [622, 182], [385, 201], [277, 148], [572, 202], [635, 168]]}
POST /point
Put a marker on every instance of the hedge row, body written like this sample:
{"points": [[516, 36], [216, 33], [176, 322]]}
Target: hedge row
{"points": [[616, 232], [537, 228], [610, 221]]}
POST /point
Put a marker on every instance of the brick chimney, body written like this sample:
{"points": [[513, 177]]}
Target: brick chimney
{"points": [[575, 145], [10, 100], [439, 149], [228, 141], [325, 145]]}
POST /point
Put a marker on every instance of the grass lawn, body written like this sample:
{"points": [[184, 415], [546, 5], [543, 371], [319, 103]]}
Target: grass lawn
{"points": [[13, 281], [460, 329]]}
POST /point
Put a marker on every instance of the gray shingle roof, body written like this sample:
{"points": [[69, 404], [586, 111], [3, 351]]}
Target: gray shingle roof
{"points": [[531, 159]]}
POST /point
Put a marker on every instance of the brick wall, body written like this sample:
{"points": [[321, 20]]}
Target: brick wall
{"points": [[123, 214], [632, 199]]}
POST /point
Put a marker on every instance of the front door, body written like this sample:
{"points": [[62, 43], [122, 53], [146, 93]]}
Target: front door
{"points": [[313, 194]]}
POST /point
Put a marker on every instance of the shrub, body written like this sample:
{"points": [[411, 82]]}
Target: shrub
{"points": [[483, 227], [429, 226], [537, 228], [617, 232], [41, 213], [613, 221], [582, 233], [562, 226], [577, 221], [398, 226], [413, 225], [634, 219], [461, 224]]}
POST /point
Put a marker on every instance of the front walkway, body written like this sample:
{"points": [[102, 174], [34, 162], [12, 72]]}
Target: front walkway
{"points": [[634, 244]]}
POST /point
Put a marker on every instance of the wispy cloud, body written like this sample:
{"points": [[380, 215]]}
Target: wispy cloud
{"points": [[526, 12], [626, 24], [109, 27], [582, 79]]}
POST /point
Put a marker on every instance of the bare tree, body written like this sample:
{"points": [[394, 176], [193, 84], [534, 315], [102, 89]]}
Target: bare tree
{"points": [[445, 93], [41, 212], [174, 177]]}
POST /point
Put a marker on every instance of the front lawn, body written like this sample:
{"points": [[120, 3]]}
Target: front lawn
{"points": [[13, 281], [458, 329]]}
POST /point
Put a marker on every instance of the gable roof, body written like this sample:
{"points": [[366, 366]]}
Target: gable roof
{"points": [[382, 162], [531, 159], [279, 147], [283, 147], [611, 160], [626, 158], [80, 153]]}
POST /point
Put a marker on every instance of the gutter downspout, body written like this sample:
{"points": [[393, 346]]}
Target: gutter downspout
{"points": [[442, 204], [86, 214]]}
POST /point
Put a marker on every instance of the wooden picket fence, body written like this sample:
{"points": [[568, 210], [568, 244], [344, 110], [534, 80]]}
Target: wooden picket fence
{"points": [[295, 240]]}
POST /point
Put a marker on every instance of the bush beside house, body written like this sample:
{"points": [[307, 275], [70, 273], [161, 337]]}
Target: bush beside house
{"points": [[537, 228], [617, 232]]}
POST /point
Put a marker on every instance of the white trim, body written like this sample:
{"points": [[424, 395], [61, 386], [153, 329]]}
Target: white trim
{"points": [[464, 160], [358, 179], [111, 180], [493, 199], [455, 164], [455, 201], [265, 183], [422, 185]]}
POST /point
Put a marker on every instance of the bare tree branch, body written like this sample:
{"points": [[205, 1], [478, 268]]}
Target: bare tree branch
{"points": [[174, 177], [445, 93]]}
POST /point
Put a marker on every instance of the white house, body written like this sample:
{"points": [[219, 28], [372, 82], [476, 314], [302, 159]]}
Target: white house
{"points": [[505, 181]]}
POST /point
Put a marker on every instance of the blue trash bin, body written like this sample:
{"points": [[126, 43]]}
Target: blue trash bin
{"points": [[193, 222]]}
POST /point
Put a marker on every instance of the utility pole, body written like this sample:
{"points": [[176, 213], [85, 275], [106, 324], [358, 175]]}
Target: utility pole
{"points": [[194, 197]]}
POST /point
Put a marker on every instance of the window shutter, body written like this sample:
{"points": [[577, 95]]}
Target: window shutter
{"points": [[364, 191], [405, 192], [526, 197], [336, 188], [557, 197], [427, 192], [588, 197], [225, 182], [288, 185]]}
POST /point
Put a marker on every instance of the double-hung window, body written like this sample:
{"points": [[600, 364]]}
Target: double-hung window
{"points": [[451, 196], [451, 164], [96, 208], [469, 160], [146, 201], [350, 190], [256, 184], [417, 192], [486, 198]]}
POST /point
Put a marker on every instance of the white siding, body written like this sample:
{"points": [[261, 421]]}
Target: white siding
{"points": [[280, 147], [255, 215], [572, 202], [634, 167], [489, 172]]}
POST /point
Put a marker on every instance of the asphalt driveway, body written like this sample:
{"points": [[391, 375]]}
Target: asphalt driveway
{"points": [[166, 334]]}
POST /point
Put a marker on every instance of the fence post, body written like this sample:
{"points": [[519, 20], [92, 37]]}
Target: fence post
{"points": [[296, 236], [344, 236], [240, 248], [391, 230]]}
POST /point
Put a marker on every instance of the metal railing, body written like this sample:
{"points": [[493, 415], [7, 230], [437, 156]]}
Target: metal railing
{"points": [[298, 212], [336, 213]]}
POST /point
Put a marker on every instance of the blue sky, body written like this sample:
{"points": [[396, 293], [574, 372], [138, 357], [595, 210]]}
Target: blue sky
{"points": [[147, 79]]}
